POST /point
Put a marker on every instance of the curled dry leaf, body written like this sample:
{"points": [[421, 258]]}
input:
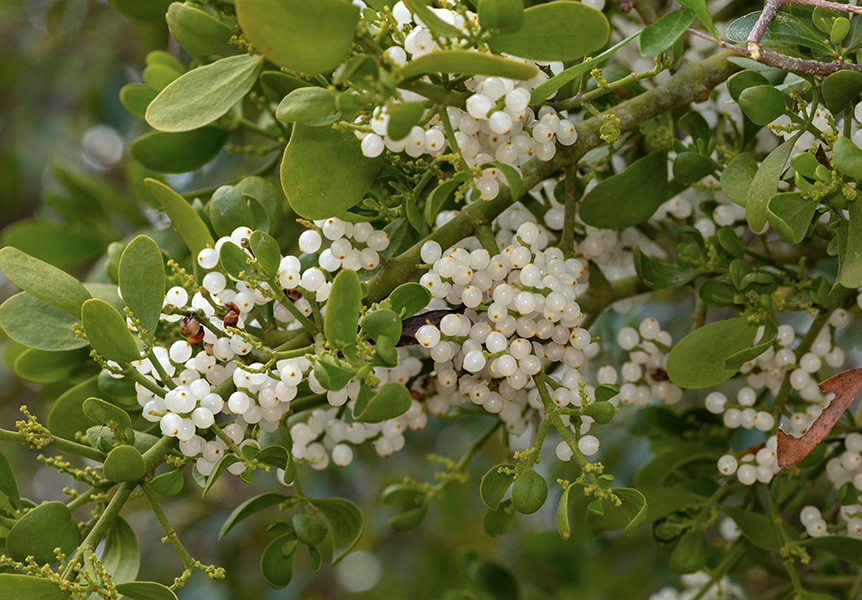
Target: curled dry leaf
{"points": [[845, 385]]}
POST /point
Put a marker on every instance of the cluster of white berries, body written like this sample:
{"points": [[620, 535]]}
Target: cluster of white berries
{"points": [[752, 467], [816, 526], [643, 375], [263, 395], [497, 125]]}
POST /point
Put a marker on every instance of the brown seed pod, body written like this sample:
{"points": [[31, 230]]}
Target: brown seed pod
{"points": [[190, 326], [231, 319], [293, 294], [196, 339], [208, 348]]}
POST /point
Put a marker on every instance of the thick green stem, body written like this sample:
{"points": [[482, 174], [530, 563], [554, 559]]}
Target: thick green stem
{"points": [[567, 241], [58, 443]]}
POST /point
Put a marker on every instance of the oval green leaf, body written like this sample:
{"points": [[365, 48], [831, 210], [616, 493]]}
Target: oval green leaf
{"points": [[790, 215], [35, 324], [40, 531], [611, 205], [146, 590], [44, 281], [107, 332], [179, 152], [765, 184], [468, 63], [309, 105], [410, 298], [560, 30], [782, 30], [346, 521], [659, 274], [392, 401], [142, 281], [659, 36], [341, 320], [249, 507], [40, 366], [381, 323], [266, 251], [762, 103], [197, 31], [202, 95], [121, 556], [737, 177], [276, 565], [66, 417], [124, 463], [305, 36], [106, 413], [324, 173], [495, 484], [27, 586]]}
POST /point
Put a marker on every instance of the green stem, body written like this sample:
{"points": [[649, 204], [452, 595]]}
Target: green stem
{"points": [[58, 443], [476, 445], [588, 97], [567, 241], [288, 304], [188, 562], [293, 353], [450, 136], [138, 377], [157, 365], [254, 127], [84, 498], [281, 340], [485, 235]]}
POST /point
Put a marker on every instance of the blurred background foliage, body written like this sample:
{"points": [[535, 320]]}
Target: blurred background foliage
{"points": [[64, 139]]}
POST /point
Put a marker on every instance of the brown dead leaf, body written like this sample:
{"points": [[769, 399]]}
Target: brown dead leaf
{"points": [[845, 385]]}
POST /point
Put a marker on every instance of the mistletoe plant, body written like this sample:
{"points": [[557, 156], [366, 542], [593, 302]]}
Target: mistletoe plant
{"points": [[428, 213]]}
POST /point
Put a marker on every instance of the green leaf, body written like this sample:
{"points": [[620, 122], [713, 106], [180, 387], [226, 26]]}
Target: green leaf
{"points": [[630, 515], [392, 401], [468, 63], [142, 281], [691, 167], [27, 587], [219, 470], [758, 528], [437, 197], [234, 260], [431, 20], [403, 117], [121, 556], [345, 520], [383, 323], [847, 158], [494, 580], [762, 103], [106, 413], [8, 485], [601, 412], [563, 526], [324, 173], [229, 208], [850, 270], [136, 97], [267, 194], [178, 152], [202, 95], [48, 526], [44, 281], [276, 566], [611, 205], [561, 30], [546, 89], [721, 345], [660, 275], [410, 519], [169, 483], [845, 548], [124, 463], [659, 36], [107, 332], [790, 215], [66, 417], [500, 14], [310, 37], [513, 179], [765, 184], [35, 324], [142, 11], [743, 80], [308, 105], [332, 374], [40, 366], [840, 88], [702, 13], [690, 554], [717, 292], [410, 297], [664, 500], [249, 507], [341, 320], [494, 485], [62, 246], [146, 590], [198, 32], [783, 29], [184, 218], [266, 251], [737, 177], [497, 522]]}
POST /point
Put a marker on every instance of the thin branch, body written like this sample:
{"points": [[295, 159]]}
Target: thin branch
{"points": [[767, 14], [782, 61], [830, 5]]}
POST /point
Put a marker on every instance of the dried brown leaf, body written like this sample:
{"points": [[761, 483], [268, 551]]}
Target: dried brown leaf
{"points": [[845, 385]]}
